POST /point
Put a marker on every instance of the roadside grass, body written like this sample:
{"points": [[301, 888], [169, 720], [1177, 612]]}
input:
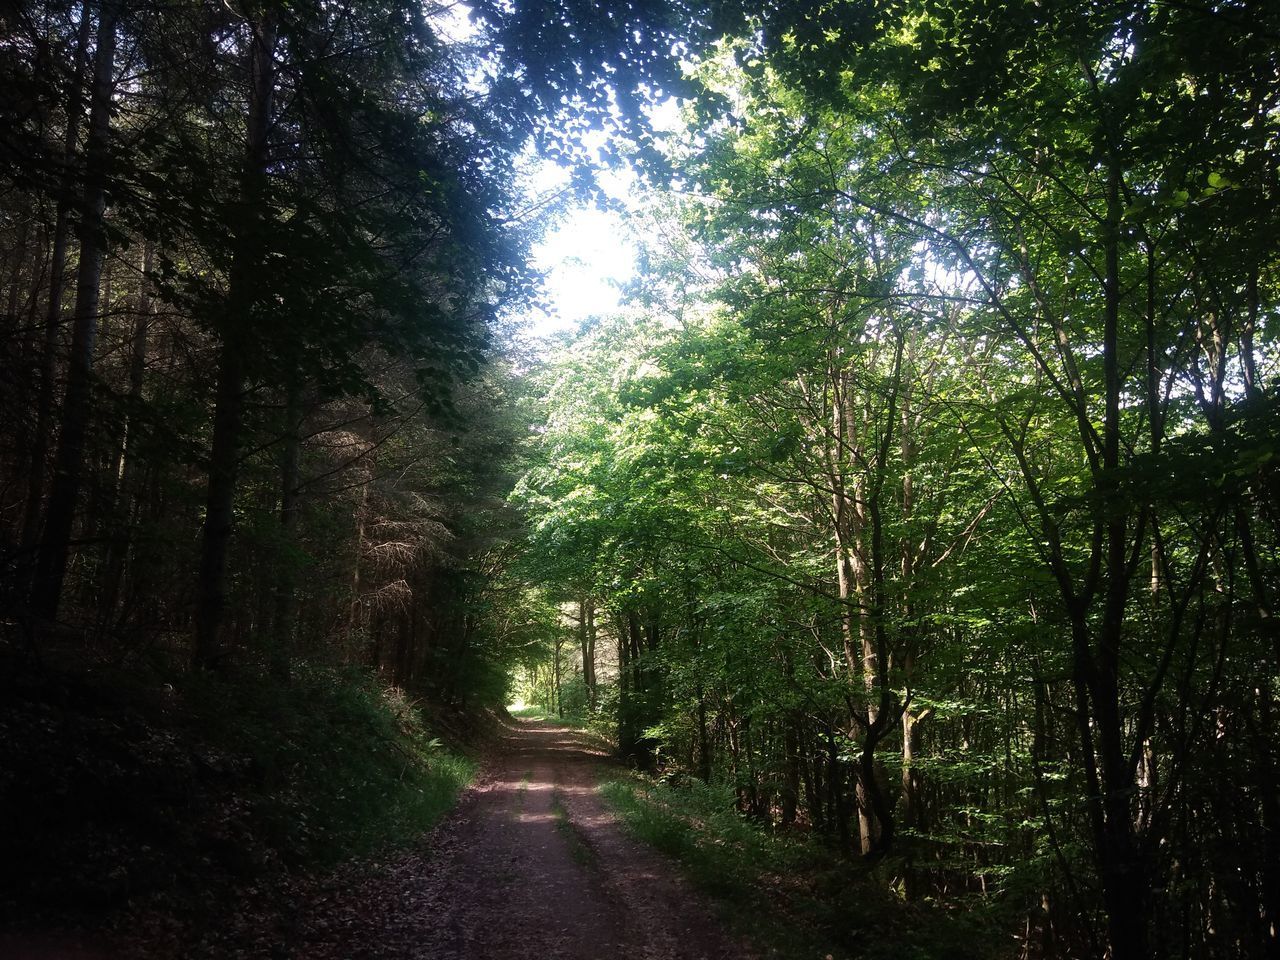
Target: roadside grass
{"points": [[343, 764], [597, 728], [153, 786], [786, 893], [536, 711], [528, 711]]}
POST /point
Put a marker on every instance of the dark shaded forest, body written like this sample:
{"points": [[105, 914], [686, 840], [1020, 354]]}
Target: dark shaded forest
{"points": [[912, 527]]}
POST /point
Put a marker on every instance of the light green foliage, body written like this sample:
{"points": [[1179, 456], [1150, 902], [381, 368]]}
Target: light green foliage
{"points": [[928, 481]]}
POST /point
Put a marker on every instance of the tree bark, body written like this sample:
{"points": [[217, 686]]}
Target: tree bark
{"points": [[32, 514], [126, 459], [557, 693], [286, 587], [587, 641], [242, 295], [55, 544]]}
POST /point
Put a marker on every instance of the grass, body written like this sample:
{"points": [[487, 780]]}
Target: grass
{"points": [[598, 726], [578, 849], [187, 788], [528, 711], [344, 764], [787, 893], [537, 712]]}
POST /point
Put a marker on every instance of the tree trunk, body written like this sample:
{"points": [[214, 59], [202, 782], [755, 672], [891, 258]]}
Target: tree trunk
{"points": [[51, 559], [15, 273], [626, 692], [1115, 848], [1270, 892], [126, 460], [587, 640], [284, 612], [704, 741], [1121, 868], [53, 315], [557, 694], [912, 782], [242, 296], [837, 803], [789, 796]]}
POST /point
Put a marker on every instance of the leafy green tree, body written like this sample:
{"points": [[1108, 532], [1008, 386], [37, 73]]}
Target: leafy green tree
{"points": [[964, 293]]}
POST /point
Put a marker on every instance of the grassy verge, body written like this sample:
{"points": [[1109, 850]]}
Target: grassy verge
{"points": [[529, 711], [180, 791], [343, 764], [788, 894], [535, 711]]}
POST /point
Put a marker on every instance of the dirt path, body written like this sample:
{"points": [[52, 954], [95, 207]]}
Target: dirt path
{"points": [[532, 864], [539, 864]]}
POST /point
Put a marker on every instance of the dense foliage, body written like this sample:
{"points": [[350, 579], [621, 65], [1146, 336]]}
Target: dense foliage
{"points": [[926, 494], [264, 427], [255, 443]]}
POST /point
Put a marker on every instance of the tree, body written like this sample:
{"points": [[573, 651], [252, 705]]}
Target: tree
{"points": [[51, 560], [933, 319]]}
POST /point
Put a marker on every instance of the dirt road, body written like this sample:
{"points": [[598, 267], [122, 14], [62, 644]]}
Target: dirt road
{"points": [[532, 864]]}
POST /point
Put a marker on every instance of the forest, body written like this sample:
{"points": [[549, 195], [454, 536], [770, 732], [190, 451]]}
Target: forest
{"points": [[914, 520]]}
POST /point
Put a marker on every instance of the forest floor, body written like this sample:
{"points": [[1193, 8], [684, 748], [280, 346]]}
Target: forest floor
{"points": [[531, 864]]}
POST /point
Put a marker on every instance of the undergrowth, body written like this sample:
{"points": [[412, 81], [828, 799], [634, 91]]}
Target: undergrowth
{"points": [[787, 892], [344, 764], [177, 789]]}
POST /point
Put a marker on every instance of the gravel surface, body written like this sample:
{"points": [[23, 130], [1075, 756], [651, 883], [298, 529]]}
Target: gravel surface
{"points": [[533, 864]]}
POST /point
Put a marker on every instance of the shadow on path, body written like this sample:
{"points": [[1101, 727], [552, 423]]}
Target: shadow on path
{"points": [[538, 866]]}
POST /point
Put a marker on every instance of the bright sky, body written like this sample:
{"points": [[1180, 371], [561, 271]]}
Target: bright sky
{"points": [[589, 254], [586, 257]]}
